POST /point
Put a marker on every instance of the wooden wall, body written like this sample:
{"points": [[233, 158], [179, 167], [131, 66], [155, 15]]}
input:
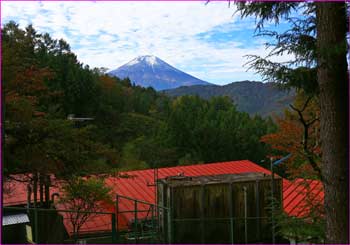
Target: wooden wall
{"points": [[201, 213]]}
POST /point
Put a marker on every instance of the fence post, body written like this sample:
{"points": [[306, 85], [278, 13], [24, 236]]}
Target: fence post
{"points": [[153, 230], [169, 214], [36, 232], [245, 215], [169, 226], [258, 219], [230, 203], [161, 223], [117, 214], [114, 232], [135, 220], [202, 224]]}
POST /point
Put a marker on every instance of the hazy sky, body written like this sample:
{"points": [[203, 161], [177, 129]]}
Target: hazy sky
{"points": [[208, 41]]}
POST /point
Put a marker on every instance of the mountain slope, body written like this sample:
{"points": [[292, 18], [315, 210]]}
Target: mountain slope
{"points": [[150, 71], [253, 97]]}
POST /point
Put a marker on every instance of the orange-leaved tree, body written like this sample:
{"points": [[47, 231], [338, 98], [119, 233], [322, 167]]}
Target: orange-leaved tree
{"points": [[298, 133]]}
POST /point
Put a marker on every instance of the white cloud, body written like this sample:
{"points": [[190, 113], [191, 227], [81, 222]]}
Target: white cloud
{"points": [[109, 34]]}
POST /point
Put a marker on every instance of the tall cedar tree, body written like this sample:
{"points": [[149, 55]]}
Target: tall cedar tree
{"points": [[333, 81], [318, 41]]}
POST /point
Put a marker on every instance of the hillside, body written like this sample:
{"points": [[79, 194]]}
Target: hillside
{"points": [[252, 97]]}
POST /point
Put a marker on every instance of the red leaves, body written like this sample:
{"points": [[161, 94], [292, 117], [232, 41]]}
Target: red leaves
{"points": [[31, 83], [298, 136], [287, 138], [27, 87], [107, 82]]}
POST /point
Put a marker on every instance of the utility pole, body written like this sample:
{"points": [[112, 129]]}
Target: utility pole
{"points": [[272, 164]]}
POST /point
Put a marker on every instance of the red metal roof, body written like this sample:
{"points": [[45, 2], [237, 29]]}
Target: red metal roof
{"points": [[15, 192], [299, 195], [138, 184]]}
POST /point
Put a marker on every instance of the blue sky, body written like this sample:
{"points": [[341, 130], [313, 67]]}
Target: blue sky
{"points": [[208, 41]]}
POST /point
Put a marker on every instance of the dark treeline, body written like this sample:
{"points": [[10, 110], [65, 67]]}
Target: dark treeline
{"points": [[132, 127]]}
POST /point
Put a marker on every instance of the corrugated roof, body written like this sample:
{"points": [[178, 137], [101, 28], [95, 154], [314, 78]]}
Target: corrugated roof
{"points": [[139, 185], [16, 191], [13, 219], [299, 195]]}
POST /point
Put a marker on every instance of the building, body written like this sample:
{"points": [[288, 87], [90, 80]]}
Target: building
{"points": [[140, 185]]}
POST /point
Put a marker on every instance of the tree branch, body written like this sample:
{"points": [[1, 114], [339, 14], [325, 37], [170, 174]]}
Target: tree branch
{"points": [[306, 125]]}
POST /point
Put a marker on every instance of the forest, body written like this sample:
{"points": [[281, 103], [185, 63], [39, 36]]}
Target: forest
{"points": [[131, 127], [45, 88]]}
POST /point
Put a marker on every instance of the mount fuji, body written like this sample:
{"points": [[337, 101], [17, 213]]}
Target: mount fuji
{"points": [[150, 71]]}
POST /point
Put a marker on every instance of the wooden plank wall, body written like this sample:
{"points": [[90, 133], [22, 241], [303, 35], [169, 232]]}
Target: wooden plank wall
{"points": [[201, 213]]}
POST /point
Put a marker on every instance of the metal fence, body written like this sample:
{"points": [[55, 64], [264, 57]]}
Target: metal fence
{"points": [[141, 222], [136, 221], [59, 226]]}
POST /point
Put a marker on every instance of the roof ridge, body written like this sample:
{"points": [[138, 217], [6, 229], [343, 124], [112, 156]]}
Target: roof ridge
{"points": [[187, 166]]}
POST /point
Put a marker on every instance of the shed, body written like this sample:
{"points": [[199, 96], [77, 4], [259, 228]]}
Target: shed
{"points": [[14, 225], [229, 208]]}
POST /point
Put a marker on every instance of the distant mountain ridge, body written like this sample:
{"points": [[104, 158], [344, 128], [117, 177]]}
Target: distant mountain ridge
{"points": [[150, 71], [264, 99]]}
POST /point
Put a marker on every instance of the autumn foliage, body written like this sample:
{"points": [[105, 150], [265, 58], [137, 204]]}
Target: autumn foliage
{"points": [[298, 133]]}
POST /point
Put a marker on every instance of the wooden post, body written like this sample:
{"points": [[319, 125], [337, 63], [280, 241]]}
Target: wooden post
{"points": [[258, 220], [245, 215], [230, 203], [170, 206], [202, 224]]}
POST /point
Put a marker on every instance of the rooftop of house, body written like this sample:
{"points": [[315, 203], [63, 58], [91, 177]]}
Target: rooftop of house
{"points": [[139, 184]]}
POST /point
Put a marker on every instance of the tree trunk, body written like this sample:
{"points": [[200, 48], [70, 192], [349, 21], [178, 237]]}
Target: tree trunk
{"points": [[35, 189], [41, 189], [29, 195], [47, 191], [333, 82]]}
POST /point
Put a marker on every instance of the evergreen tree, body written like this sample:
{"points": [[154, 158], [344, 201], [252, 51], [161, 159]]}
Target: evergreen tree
{"points": [[318, 41]]}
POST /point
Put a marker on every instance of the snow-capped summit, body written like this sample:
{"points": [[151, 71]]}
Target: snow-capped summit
{"points": [[150, 59], [150, 71]]}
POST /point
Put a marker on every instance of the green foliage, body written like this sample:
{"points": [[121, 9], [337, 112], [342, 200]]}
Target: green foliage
{"points": [[215, 131], [38, 137], [299, 40], [319, 66], [148, 152], [132, 127], [84, 195], [43, 145], [255, 98], [189, 159], [308, 227], [302, 230]]}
